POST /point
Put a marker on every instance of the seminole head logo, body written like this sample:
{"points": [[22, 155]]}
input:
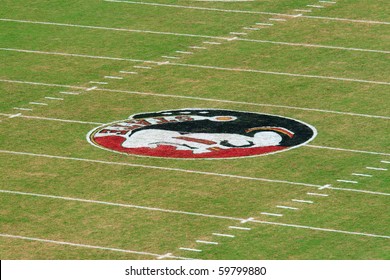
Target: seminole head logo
{"points": [[201, 133]]}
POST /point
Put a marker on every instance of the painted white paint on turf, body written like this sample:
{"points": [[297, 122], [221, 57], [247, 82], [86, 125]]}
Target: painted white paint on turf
{"points": [[207, 242], [247, 220], [170, 57], [22, 109], [38, 103], [316, 6], [361, 175], [53, 98], [70, 92], [113, 77], [277, 19], [184, 52], [287, 207], [347, 181], [376, 168], [222, 101], [302, 201], [211, 43], [271, 214], [317, 194], [223, 235], [142, 67], [128, 72], [85, 246], [240, 228], [192, 214], [99, 83], [190, 249], [347, 150], [385, 161]]}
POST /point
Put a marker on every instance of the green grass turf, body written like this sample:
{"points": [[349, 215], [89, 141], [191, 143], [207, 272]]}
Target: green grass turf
{"points": [[158, 232]]}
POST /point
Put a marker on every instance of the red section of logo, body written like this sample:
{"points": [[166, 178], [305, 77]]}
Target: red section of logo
{"points": [[115, 143]]}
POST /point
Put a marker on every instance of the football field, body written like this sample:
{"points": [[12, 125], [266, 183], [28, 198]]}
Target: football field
{"points": [[70, 68]]}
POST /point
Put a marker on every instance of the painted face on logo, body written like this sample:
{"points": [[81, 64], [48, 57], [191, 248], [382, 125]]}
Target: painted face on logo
{"points": [[202, 133]]}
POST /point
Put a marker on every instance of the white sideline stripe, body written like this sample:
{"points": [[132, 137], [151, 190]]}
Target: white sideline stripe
{"points": [[142, 67], [207, 242], [280, 73], [202, 36], [245, 12], [271, 214], [190, 249], [38, 103], [188, 213], [376, 168], [23, 109], [385, 161], [53, 98], [302, 201], [85, 246], [109, 28], [99, 83], [347, 181], [222, 101], [287, 207], [347, 150], [317, 194], [162, 168], [223, 235], [361, 175], [113, 77], [240, 228]]}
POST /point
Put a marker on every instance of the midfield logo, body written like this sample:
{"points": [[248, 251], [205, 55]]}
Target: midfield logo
{"points": [[202, 133]]}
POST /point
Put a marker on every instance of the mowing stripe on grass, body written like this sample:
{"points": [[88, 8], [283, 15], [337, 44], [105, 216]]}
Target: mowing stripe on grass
{"points": [[162, 168], [208, 99], [87, 246], [190, 213], [247, 12], [200, 36], [204, 66]]}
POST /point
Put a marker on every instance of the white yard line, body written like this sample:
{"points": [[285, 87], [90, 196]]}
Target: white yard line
{"points": [[162, 168], [221, 101], [85, 246], [365, 21], [52, 119], [347, 150], [189, 213], [202, 36]]}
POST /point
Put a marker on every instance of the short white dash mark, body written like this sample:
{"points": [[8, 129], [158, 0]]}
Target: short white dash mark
{"points": [[287, 207], [128, 72], [206, 242], [113, 77], [317, 194], [303, 10], [315, 6], [223, 235], [197, 48], [239, 228], [70, 92], [170, 57], [385, 161], [347, 181], [183, 52], [251, 28], [302, 201], [238, 33], [53, 98], [376, 168], [277, 19], [190, 249], [271, 214], [265, 24], [23, 109], [38, 103], [361, 175], [98, 83], [211, 43], [142, 67]]}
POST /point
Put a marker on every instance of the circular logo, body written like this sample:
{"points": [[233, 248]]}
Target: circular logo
{"points": [[202, 133]]}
